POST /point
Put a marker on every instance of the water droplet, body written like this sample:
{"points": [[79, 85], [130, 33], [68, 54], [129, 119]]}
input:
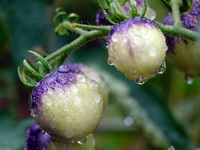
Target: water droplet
{"points": [[153, 51], [95, 83], [115, 37], [82, 141], [43, 132], [55, 103], [128, 121], [63, 69], [52, 84], [48, 102], [40, 91], [66, 108], [162, 68], [80, 78], [77, 100], [61, 79], [139, 80], [69, 133], [74, 89], [68, 119], [96, 97], [32, 113], [37, 84], [188, 79], [109, 62]]}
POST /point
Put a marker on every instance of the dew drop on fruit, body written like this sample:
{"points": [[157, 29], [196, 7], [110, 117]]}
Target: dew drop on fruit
{"points": [[82, 141], [115, 37], [32, 113], [139, 81], [109, 62], [162, 68], [188, 79], [43, 132]]}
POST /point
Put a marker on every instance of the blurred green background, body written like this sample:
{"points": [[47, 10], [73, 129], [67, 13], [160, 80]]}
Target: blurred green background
{"points": [[163, 112]]}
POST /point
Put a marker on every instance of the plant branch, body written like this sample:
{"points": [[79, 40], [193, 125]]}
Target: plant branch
{"points": [[175, 12], [105, 29], [81, 40], [178, 32]]}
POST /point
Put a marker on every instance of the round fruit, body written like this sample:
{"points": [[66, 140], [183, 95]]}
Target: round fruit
{"points": [[184, 54], [66, 104], [137, 48]]}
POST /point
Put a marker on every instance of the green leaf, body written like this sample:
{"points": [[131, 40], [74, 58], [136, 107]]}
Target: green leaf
{"points": [[12, 133], [116, 12], [166, 3], [43, 61], [27, 81], [186, 5], [32, 71]]}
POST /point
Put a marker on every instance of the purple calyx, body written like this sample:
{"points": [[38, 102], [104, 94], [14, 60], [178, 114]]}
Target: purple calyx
{"points": [[61, 78], [124, 26], [35, 139]]}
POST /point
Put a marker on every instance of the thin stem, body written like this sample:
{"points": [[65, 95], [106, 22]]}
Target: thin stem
{"points": [[144, 9], [178, 32], [90, 27], [81, 40], [70, 27], [175, 12]]}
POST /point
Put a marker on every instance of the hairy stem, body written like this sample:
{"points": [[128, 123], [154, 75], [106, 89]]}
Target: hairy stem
{"points": [[81, 40], [178, 32], [175, 12]]}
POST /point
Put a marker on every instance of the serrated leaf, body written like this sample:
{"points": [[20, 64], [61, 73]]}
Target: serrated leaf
{"points": [[43, 61], [21, 75], [32, 71]]}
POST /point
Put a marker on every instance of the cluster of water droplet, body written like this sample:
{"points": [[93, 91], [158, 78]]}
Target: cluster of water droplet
{"points": [[138, 52], [67, 104]]}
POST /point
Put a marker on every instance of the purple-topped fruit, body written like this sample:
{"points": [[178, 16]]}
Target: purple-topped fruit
{"points": [[184, 54], [36, 139], [137, 48], [67, 104], [150, 13]]}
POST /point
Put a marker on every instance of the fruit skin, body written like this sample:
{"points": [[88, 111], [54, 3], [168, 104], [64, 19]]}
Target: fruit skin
{"points": [[184, 54], [137, 48], [150, 13], [95, 77], [36, 140], [66, 104]]}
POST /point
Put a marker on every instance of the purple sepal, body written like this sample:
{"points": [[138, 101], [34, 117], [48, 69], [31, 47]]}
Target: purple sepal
{"points": [[36, 140]]}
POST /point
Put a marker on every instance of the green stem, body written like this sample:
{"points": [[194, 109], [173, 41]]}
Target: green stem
{"points": [[178, 32], [175, 12], [81, 40], [90, 27], [69, 26], [144, 9]]}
